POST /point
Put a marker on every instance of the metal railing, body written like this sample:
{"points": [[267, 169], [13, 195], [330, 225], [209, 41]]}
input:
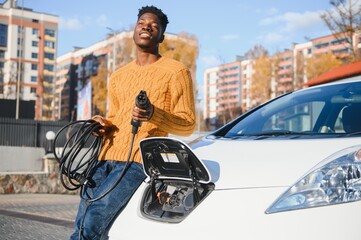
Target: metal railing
{"points": [[27, 132]]}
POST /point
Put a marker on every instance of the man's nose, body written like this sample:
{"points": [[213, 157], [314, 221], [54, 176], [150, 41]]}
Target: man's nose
{"points": [[147, 28]]}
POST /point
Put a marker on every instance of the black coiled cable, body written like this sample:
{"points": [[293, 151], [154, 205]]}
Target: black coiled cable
{"points": [[75, 166]]}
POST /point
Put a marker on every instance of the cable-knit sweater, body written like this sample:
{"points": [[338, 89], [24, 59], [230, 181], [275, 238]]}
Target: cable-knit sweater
{"points": [[169, 87]]}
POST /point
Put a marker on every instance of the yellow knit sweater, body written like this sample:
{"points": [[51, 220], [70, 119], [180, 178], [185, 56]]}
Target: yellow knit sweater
{"points": [[169, 88]]}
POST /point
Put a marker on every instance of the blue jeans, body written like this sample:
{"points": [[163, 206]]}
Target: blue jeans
{"points": [[94, 219]]}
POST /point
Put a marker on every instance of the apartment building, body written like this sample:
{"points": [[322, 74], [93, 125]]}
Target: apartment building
{"points": [[331, 44], [283, 77], [289, 73], [73, 98], [229, 86], [210, 95], [28, 51], [246, 81]]}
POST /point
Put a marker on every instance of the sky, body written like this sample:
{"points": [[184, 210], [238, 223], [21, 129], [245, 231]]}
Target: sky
{"points": [[224, 28]]}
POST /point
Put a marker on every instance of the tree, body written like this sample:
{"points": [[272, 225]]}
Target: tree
{"points": [[343, 20], [321, 63], [260, 89], [182, 48], [9, 87], [125, 51], [99, 82], [227, 115]]}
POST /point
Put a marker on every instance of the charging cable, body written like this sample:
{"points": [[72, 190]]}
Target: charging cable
{"points": [[76, 163]]}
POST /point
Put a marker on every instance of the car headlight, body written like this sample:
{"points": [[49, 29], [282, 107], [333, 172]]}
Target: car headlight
{"points": [[335, 180]]}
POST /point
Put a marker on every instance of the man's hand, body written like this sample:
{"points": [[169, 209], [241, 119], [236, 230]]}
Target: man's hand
{"points": [[105, 126], [140, 114]]}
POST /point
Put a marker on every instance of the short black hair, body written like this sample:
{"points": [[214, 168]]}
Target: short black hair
{"points": [[163, 19]]}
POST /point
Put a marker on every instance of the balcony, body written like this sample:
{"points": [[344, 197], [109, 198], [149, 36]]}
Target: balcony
{"points": [[49, 50], [49, 61], [50, 38], [48, 73]]}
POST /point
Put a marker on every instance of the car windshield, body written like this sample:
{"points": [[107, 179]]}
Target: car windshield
{"points": [[329, 110]]}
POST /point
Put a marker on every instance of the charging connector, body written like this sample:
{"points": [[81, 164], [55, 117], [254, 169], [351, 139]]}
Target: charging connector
{"points": [[141, 101]]}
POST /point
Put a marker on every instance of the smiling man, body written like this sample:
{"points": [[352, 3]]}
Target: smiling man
{"points": [[168, 85]]}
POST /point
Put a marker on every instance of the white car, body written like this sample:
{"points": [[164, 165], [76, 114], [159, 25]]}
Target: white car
{"points": [[288, 169]]}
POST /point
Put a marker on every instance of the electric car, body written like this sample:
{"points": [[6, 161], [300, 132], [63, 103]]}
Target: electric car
{"points": [[287, 169]]}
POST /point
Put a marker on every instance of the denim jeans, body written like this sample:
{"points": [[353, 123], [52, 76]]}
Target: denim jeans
{"points": [[95, 218]]}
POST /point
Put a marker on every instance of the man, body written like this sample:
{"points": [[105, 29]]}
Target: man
{"points": [[169, 87]]}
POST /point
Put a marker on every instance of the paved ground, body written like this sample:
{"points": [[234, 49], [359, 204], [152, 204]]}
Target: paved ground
{"points": [[37, 216]]}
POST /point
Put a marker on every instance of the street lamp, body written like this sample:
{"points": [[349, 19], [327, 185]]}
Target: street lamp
{"points": [[50, 136]]}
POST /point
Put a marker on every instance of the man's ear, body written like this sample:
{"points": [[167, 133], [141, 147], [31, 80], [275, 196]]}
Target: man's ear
{"points": [[161, 39]]}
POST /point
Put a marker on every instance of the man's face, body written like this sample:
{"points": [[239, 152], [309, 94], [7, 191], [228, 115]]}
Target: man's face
{"points": [[148, 33]]}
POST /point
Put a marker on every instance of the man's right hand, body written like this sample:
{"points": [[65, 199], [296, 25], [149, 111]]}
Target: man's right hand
{"points": [[106, 126]]}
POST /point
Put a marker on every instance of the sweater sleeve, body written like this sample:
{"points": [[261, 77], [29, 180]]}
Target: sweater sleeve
{"points": [[180, 120]]}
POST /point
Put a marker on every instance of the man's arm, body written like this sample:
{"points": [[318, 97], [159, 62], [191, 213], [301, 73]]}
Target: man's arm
{"points": [[181, 118]]}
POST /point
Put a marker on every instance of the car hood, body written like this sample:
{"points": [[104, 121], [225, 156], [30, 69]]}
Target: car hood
{"points": [[264, 163]]}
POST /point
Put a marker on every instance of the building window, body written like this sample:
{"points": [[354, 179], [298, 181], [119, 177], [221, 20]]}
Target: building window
{"points": [[2, 54], [35, 43], [3, 35], [19, 53], [34, 79], [48, 79], [34, 55], [49, 44], [35, 20], [1, 84], [34, 67], [49, 56], [50, 32], [20, 29], [49, 67], [32, 90], [35, 31]]}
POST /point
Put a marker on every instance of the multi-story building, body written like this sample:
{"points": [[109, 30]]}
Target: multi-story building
{"points": [[283, 77], [28, 43], [210, 95], [226, 88], [73, 84], [329, 43], [246, 81], [229, 86], [301, 53], [289, 73], [222, 92]]}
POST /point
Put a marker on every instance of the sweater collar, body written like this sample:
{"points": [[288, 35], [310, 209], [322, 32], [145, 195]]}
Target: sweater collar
{"points": [[135, 65]]}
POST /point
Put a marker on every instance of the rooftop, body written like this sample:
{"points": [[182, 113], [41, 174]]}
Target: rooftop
{"points": [[337, 73]]}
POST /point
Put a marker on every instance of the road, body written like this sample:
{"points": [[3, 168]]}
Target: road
{"points": [[37, 216]]}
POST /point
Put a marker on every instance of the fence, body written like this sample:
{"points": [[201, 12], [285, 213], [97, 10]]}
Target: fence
{"points": [[26, 132]]}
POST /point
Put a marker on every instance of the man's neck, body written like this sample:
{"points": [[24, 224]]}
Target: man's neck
{"points": [[146, 58]]}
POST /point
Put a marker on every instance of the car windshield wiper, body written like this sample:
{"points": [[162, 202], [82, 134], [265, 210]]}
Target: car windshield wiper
{"points": [[278, 133], [353, 133]]}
